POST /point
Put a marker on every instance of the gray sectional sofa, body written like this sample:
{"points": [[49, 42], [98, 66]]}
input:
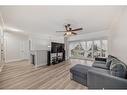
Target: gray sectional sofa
{"points": [[109, 73]]}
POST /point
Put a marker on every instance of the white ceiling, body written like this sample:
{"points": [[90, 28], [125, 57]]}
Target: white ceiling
{"points": [[48, 19]]}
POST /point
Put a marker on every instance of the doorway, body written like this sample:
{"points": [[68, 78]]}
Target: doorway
{"points": [[2, 58]]}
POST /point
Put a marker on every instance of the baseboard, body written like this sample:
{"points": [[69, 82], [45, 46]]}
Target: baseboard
{"points": [[40, 65]]}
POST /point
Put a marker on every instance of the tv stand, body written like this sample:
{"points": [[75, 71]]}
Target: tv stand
{"points": [[55, 58]]}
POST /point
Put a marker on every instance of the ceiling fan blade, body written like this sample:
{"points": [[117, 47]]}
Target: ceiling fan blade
{"points": [[70, 29], [77, 29], [74, 33], [66, 27], [61, 31]]}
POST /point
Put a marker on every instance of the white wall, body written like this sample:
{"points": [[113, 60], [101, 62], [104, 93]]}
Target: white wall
{"points": [[16, 47], [119, 37], [41, 42]]}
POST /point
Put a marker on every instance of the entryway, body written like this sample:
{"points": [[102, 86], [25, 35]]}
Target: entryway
{"points": [[2, 59]]}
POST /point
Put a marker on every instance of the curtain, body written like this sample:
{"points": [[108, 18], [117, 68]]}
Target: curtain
{"points": [[72, 45], [83, 45]]}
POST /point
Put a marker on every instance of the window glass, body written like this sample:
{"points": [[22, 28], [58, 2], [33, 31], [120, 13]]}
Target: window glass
{"points": [[104, 48], [89, 53], [88, 49], [77, 50], [97, 48]]}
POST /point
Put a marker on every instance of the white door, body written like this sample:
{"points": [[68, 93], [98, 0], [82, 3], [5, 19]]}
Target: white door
{"points": [[24, 49], [2, 59], [0, 51]]}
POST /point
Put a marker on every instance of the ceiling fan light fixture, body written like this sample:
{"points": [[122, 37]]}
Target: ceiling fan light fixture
{"points": [[69, 31], [68, 34]]}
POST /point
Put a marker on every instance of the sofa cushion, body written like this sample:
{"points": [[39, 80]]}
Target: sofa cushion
{"points": [[100, 65], [99, 62], [80, 70], [119, 69], [110, 59], [110, 56], [108, 63], [114, 61], [102, 79]]}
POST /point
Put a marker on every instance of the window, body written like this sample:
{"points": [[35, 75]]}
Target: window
{"points": [[77, 49], [104, 48], [88, 49], [97, 48]]}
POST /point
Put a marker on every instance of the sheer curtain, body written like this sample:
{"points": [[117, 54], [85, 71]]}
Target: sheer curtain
{"points": [[83, 45], [72, 45]]}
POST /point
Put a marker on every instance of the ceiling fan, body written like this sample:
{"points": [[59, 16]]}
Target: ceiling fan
{"points": [[69, 31]]}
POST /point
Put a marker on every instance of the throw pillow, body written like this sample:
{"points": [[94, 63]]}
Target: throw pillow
{"points": [[108, 63], [119, 69], [113, 62]]}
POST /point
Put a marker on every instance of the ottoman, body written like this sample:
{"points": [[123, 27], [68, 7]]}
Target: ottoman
{"points": [[79, 73]]}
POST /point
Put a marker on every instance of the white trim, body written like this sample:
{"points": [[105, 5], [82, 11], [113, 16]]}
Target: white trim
{"points": [[39, 65], [2, 55]]}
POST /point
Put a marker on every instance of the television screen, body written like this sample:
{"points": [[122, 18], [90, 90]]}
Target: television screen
{"points": [[57, 47]]}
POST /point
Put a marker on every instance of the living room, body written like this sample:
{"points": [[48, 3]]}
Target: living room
{"points": [[44, 51]]}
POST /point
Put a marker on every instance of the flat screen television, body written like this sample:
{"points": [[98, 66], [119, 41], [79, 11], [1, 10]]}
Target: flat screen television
{"points": [[57, 47]]}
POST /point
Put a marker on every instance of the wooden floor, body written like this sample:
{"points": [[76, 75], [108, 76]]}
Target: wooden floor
{"points": [[23, 75]]}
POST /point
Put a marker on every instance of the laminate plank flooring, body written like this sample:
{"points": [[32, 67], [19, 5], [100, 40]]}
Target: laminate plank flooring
{"points": [[23, 75]]}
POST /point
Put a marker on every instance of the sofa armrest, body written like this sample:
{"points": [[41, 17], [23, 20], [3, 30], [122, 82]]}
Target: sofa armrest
{"points": [[101, 59], [103, 80], [100, 64]]}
